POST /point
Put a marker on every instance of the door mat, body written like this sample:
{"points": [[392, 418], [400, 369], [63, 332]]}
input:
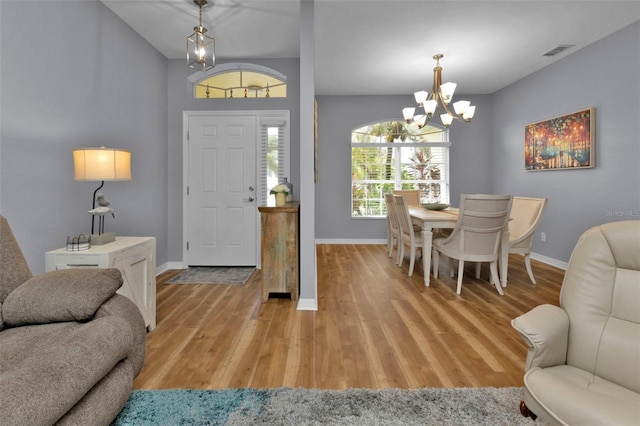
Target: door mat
{"points": [[231, 275]]}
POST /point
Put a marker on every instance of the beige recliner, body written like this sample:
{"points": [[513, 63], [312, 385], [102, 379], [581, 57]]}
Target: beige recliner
{"points": [[583, 364]]}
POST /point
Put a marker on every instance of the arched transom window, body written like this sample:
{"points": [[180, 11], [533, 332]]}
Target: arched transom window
{"points": [[239, 80]]}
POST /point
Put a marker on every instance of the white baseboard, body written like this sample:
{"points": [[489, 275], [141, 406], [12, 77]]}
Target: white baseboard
{"points": [[307, 305], [544, 259], [169, 265], [550, 261], [350, 241]]}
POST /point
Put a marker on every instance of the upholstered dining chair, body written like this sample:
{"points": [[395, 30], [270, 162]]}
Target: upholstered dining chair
{"points": [[408, 233], [477, 236], [393, 227], [411, 195], [526, 213]]}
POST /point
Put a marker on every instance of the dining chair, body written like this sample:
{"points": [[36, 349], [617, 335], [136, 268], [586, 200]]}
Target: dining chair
{"points": [[393, 227], [408, 233], [411, 195], [526, 213], [476, 238]]}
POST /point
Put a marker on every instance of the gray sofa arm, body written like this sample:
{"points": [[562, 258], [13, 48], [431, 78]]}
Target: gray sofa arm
{"points": [[59, 296], [124, 308], [545, 329]]}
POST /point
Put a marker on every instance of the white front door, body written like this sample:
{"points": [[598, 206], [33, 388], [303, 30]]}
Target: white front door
{"points": [[221, 201]]}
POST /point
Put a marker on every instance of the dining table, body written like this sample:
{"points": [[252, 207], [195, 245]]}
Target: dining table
{"points": [[447, 219]]}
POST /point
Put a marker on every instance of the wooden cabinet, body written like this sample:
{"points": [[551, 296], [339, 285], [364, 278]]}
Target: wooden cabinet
{"points": [[135, 257], [279, 249]]}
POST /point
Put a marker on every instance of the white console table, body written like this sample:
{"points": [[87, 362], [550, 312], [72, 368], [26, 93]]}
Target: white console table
{"points": [[135, 257]]}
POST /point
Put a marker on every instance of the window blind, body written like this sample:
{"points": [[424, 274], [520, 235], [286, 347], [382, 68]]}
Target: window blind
{"points": [[272, 156]]}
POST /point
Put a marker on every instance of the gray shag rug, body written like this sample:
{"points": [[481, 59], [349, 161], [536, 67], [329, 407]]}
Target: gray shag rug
{"points": [[287, 406], [233, 275]]}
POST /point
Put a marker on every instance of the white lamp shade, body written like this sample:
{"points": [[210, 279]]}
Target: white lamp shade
{"points": [[97, 164], [430, 107], [461, 106], [447, 90], [421, 97], [421, 121], [446, 119], [468, 114], [407, 113]]}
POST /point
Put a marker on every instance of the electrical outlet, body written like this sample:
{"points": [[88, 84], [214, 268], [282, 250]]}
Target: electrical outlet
{"points": [[543, 236]]}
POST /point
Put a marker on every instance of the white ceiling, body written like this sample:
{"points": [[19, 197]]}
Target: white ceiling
{"points": [[386, 46]]}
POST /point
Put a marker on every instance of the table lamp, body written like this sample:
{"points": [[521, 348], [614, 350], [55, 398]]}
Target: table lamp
{"points": [[100, 165]]}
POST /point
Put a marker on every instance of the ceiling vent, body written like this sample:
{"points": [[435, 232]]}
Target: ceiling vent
{"points": [[559, 49]]}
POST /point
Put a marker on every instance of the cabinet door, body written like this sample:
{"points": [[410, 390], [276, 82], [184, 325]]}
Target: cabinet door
{"points": [[134, 266]]}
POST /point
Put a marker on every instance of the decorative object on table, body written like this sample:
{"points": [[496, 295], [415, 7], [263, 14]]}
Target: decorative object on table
{"points": [[289, 185], [79, 243], [565, 142], [201, 49], [435, 206], [441, 95], [101, 211], [281, 192], [100, 165]]}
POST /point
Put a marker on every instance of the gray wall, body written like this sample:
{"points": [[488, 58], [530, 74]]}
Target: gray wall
{"points": [[180, 99], [604, 75], [487, 154], [338, 115], [110, 87], [74, 75]]}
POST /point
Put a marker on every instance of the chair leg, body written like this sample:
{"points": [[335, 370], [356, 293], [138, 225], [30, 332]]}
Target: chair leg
{"points": [[460, 274], [451, 267], [400, 252], [494, 277], [412, 259], [524, 410], [478, 270], [527, 263]]}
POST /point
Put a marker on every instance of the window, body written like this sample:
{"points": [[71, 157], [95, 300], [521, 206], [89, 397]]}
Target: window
{"points": [[239, 80], [274, 147], [396, 155]]}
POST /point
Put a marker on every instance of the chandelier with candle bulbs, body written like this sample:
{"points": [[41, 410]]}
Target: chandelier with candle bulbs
{"points": [[201, 49], [438, 100]]}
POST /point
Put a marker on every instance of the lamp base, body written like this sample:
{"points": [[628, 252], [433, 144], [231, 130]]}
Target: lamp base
{"points": [[104, 238]]}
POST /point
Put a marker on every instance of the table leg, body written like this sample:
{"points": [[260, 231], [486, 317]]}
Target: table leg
{"points": [[427, 239], [504, 258]]}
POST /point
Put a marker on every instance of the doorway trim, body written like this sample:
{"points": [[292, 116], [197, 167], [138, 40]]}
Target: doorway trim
{"points": [[262, 117]]}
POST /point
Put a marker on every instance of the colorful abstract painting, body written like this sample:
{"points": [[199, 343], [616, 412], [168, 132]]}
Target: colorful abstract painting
{"points": [[565, 142]]}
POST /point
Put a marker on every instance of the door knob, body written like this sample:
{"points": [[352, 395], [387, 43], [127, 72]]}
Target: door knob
{"points": [[250, 199]]}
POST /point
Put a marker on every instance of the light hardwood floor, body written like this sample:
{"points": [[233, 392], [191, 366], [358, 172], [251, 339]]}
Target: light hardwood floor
{"points": [[375, 328]]}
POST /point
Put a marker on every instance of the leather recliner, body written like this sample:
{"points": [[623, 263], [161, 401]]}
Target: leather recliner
{"points": [[583, 362]]}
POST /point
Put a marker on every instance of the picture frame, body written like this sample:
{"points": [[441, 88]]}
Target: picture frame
{"points": [[566, 142]]}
